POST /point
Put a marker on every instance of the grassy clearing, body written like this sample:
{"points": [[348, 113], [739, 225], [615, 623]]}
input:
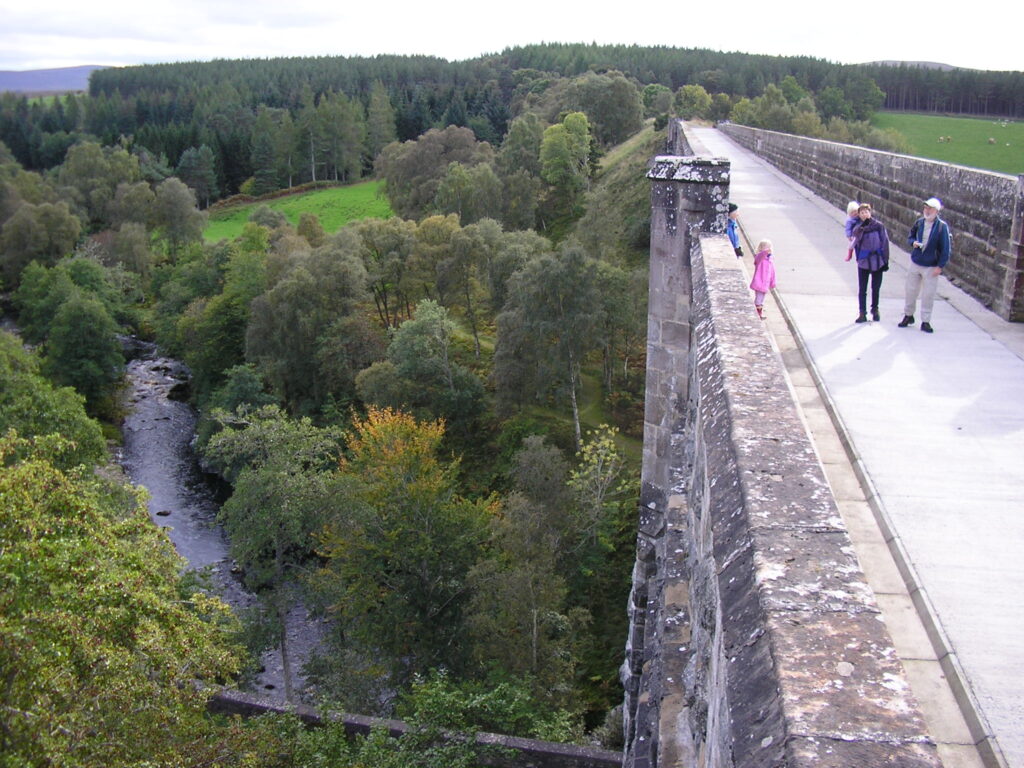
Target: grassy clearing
{"points": [[638, 142], [615, 226], [594, 412], [969, 144], [335, 207]]}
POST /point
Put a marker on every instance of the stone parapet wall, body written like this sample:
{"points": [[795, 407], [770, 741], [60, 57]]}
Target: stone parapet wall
{"points": [[687, 194], [984, 209]]}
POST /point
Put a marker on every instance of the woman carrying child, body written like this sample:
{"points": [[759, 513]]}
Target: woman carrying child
{"points": [[871, 246]]}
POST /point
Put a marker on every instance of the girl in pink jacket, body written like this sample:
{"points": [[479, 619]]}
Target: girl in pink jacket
{"points": [[764, 275]]}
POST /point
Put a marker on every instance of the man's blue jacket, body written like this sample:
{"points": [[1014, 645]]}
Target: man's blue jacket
{"points": [[936, 251]]}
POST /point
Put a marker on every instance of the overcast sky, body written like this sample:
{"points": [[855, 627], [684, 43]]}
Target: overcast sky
{"points": [[39, 34]]}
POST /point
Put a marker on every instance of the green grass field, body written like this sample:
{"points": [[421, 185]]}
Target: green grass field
{"points": [[335, 207], [969, 144]]}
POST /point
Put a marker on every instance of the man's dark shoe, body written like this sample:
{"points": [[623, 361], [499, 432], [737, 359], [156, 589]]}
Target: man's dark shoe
{"points": [[907, 320], [875, 316], [927, 327], [861, 319]]}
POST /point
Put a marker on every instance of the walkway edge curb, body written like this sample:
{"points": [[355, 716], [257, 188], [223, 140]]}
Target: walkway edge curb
{"points": [[984, 739]]}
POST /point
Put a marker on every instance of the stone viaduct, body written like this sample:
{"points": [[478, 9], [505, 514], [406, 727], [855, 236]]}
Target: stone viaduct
{"points": [[754, 639]]}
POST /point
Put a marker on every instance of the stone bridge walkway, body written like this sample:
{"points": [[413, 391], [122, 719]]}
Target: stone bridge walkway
{"points": [[924, 450]]}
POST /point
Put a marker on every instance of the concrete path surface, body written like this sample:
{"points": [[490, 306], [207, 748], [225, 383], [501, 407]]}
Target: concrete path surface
{"points": [[933, 427]]}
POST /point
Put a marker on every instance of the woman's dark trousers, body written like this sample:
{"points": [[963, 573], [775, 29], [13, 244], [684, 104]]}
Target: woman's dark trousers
{"points": [[862, 286]]}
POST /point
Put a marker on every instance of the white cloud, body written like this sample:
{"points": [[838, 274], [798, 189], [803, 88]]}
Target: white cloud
{"points": [[65, 33]]}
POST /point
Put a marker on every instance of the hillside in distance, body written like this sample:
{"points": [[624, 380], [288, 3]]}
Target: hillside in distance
{"points": [[48, 80], [918, 64]]}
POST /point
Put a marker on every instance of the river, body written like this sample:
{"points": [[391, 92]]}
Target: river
{"points": [[157, 454]]}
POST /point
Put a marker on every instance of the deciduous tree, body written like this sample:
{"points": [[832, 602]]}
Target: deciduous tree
{"points": [[289, 320], [130, 248], [422, 353], [90, 174], [214, 336], [462, 278], [397, 557], [386, 248], [520, 151], [413, 170], [657, 99], [175, 215], [42, 233], [521, 191], [283, 487], [343, 129], [520, 616], [32, 406], [547, 328], [792, 89], [692, 101], [350, 345], [82, 351], [864, 95], [432, 246], [611, 103], [133, 202], [100, 650], [471, 193], [832, 102], [565, 162], [311, 229]]}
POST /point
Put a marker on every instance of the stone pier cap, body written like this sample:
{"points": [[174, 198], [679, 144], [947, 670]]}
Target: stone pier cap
{"points": [[693, 168]]}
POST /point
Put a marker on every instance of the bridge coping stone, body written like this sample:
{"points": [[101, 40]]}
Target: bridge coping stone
{"points": [[787, 574]]}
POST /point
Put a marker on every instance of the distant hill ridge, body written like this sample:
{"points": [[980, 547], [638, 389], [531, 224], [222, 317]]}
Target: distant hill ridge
{"points": [[48, 80], [919, 64]]}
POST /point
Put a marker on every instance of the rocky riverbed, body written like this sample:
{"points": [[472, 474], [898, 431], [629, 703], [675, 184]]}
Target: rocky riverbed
{"points": [[157, 454]]}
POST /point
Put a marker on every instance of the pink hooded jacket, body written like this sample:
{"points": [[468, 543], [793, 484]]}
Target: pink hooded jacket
{"points": [[764, 272]]}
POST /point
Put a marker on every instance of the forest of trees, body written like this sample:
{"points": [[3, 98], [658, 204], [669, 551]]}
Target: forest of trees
{"points": [[428, 422], [251, 126], [340, 377]]}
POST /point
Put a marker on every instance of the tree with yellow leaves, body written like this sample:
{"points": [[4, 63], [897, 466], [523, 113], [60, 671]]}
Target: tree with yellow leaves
{"points": [[399, 552]]}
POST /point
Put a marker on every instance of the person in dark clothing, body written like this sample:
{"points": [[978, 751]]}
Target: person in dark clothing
{"points": [[871, 247], [732, 228]]}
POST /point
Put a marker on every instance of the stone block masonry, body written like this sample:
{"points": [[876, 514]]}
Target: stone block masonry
{"points": [[985, 210], [754, 638]]}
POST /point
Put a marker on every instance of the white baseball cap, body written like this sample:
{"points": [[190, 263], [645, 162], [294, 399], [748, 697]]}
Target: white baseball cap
{"points": [[934, 202]]}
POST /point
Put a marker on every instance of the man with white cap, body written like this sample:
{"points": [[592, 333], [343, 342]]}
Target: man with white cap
{"points": [[930, 241]]}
